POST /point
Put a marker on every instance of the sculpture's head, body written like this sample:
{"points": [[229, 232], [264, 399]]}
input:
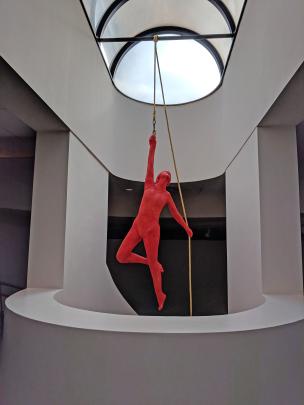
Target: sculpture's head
{"points": [[164, 178]]}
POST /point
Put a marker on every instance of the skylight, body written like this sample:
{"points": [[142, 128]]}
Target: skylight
{"points": [[191, 68], [189, 72]]}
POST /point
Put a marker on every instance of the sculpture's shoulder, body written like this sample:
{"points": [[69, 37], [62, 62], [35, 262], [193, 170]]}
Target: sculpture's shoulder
{"points": [[168, 195], [149, 184]]}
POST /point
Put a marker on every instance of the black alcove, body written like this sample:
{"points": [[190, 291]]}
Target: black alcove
{"points": [[209, 263]]}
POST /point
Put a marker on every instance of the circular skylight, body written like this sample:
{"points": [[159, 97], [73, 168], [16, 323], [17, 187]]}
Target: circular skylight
{"points": [[191, 68], [189, 71]]}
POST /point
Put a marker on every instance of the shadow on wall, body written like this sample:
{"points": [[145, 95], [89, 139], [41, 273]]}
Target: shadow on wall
{"points": [[205, 204], [300, 147], [16, 182]]}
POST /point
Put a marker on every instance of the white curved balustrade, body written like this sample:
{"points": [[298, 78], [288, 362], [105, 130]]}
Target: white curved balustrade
{"points": [[41, 305]]}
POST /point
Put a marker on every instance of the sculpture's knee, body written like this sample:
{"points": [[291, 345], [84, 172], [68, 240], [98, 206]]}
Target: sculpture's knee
{"points": [[121, 257]]}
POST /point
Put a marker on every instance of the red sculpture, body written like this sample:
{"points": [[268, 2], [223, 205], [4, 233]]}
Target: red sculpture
{"points": [[146, 224]]}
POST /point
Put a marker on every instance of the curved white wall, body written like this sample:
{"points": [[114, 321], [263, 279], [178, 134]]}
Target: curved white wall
{"points": [[244, 276], [280, 211], [61, 62], [87, 281], [46, 248], [68, 235], [63, 365], [263, 219]]}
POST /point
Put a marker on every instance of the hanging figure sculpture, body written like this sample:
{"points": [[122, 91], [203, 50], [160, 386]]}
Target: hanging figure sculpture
{"points": [[146, 224]]}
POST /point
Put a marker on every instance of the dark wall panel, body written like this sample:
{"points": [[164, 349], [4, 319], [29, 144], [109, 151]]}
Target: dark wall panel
{"points": [[14, 245], [209, 278], [205, 203]]}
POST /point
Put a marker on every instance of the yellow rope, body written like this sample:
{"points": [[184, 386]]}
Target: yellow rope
{"points": [[174, 163], [155, 38]]}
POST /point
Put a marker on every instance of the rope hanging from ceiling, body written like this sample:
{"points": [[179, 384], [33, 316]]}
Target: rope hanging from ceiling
{"points": [[157, 69]]}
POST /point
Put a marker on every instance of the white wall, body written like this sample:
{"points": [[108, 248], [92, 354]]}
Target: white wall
{"points": [[263, 219], [61, 62], [70, 366], [18, 100], [46, 249], [300, 152], [87, 280], [280, 210], [244, 265]]}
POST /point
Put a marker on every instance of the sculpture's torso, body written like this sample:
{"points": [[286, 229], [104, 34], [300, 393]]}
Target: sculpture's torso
{"points": [[151, 206]]}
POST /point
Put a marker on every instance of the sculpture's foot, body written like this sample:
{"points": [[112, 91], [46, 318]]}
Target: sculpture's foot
{"points": [[161, 269], [162, 301]]}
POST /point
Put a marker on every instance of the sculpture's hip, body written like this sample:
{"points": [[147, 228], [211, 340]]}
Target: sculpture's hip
{"points": [[144, 228]]}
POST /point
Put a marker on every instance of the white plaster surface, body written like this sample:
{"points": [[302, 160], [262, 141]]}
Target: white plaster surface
{"points": [[280, 211], [87, 281], [66, 356], [41, 305], [46, 248], [51, 364], [244, 266]]}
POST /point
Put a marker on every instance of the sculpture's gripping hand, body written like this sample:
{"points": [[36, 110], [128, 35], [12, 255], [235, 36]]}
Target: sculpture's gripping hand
{"points": [[189, 232], [152, 140]]}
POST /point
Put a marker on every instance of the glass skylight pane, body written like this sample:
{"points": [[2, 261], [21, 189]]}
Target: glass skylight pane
{"points": [[136, 16], [189, 72], [100, 8], [90, 9], [223, 46], [95, 9], [110, 50]]}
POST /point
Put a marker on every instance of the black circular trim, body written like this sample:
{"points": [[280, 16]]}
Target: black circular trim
{"points": [[223, 9], [111, 10], [166, 30]]}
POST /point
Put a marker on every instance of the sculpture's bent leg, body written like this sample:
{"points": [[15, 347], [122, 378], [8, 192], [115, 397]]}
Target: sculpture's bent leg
{"points": [[151, 242], [125, 254]]}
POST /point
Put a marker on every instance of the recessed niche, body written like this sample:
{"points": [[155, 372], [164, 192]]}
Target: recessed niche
{"points": [[205, 204]]}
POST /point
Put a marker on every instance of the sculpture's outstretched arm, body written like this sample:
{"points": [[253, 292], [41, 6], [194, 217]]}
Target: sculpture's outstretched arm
{"points": [[149, 181], [177, 216]]}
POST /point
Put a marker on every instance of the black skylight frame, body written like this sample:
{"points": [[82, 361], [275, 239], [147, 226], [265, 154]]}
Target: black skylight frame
{"points": [[166, 30], [203, 39], [117, 4]]}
